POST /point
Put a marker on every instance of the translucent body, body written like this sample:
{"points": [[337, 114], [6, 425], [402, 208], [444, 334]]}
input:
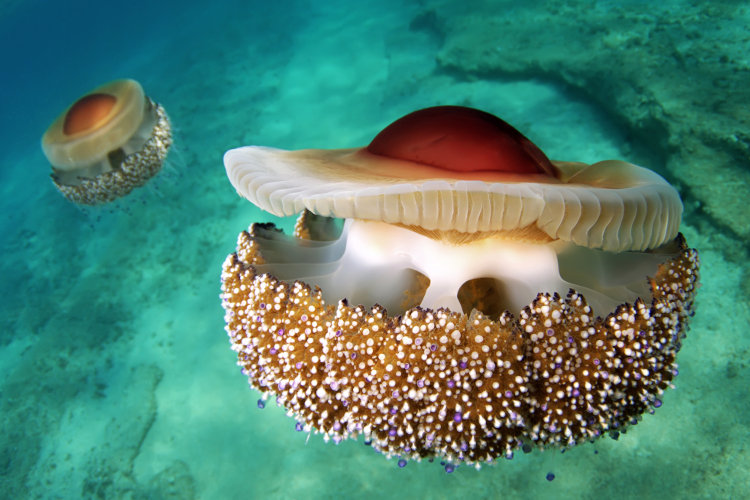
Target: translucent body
{"points": [[374, 262]]}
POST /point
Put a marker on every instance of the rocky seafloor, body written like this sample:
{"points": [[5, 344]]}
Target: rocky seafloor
{"points": [[676, 76]]}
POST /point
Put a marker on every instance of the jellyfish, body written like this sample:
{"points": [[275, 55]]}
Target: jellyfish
{"points": [[107, 143], [451, 292]]}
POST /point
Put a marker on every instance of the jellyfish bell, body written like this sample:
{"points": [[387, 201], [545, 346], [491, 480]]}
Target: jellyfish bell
{"points": [[476, 296], [107, 143], [457, 186], [460, 139]]}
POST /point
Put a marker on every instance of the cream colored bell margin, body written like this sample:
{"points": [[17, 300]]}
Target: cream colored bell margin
{"points": [[71, 152], [612, 205]]}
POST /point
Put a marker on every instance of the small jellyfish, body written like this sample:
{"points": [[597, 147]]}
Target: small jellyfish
{"points": [[107, 143]]}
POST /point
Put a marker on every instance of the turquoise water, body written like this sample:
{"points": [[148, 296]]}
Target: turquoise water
{"points": [[117, 377]]}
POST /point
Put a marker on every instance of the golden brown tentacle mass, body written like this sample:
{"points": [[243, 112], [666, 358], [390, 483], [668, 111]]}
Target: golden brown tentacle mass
{"points": [[465, 388]]}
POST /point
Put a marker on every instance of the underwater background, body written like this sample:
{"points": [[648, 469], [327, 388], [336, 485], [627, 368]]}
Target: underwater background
{"points": [[116, 376]]}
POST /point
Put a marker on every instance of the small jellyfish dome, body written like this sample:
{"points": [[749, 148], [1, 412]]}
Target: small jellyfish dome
{"points": [[107, 143], [476, 297]]}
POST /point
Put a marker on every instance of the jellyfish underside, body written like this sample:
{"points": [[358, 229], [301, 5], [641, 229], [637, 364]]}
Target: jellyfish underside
{"points": [[368, 263]]}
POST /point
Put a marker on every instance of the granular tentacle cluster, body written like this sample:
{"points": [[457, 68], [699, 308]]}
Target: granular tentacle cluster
{"points": [[466, 388]]}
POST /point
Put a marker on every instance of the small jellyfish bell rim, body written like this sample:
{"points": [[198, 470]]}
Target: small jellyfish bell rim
{"points": [[362, 330], [67, 152], [108, 142]]}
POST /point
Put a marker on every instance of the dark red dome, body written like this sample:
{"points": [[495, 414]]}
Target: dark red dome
{"points": [[460, 139], [88, 112]]}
